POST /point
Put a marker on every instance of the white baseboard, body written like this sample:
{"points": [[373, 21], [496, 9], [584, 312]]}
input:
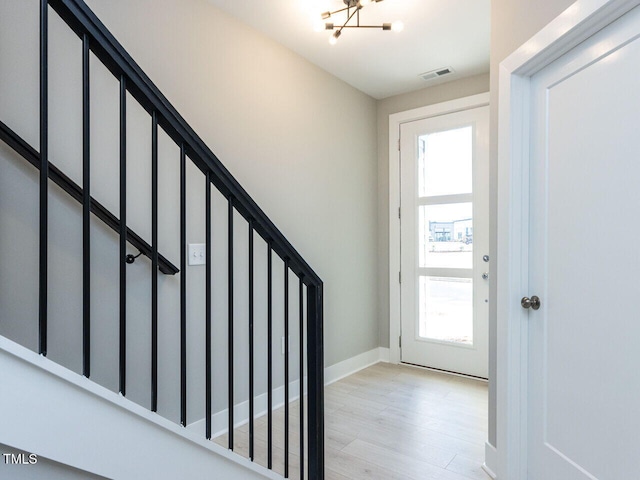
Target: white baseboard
{"points": [[490, 460], [385, 354], [338, 371], [220, 420], [343, 369]]}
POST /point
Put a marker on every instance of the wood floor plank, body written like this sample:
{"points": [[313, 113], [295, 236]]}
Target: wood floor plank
{"points": [[429, 417], [388, 422], [355, 468], [467, 467], [408, 466]]}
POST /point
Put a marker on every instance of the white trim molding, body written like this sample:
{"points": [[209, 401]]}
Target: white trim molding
{"points": [[395, 121], [220, 419], [65, 417], [577, 23], [352, 365], [490, 460]]}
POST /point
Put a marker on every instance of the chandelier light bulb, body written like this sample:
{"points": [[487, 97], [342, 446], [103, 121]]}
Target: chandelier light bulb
{"points": [[365, 2], [333, 39], [397, 26], [318, 26]]}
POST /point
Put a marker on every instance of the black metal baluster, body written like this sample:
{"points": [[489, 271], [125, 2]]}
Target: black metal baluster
{"points": [[230, 327], [251, 339], [269, 360], [44, 178], [86, 212], [286, 368], [315, 369], [208, 307], [154, 262], [123, 234], [183, 287], [301, 327]]}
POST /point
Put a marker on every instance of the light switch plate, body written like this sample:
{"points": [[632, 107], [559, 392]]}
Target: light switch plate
{"points": [[197, 254]]}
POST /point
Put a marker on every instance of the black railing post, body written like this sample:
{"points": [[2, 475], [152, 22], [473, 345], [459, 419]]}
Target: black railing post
{"points": [[207, 314], [44, 178], [183, 287], [315, 368], [286, 368], [301, 339], [269, 358], [154, 262], [123, 235], [230, 323], [86, 212], [251, 393]]}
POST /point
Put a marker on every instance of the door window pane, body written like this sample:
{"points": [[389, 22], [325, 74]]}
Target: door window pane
{"points": [[445, 235], [444, 162], [446, 309]]}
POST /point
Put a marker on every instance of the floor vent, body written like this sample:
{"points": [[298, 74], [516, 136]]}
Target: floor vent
{"points": [[437, 73]]}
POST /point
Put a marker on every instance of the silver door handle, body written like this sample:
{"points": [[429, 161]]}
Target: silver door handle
{"points": [[533, 302]]}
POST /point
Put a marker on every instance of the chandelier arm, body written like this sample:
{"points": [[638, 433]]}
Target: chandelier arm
{"points": [[362, 26], [338, 11], [348, 20]]}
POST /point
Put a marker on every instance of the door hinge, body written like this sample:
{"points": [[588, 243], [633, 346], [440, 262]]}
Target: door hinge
{"points": [[400, 341], [398, 212], [399, 277], [398, 144]]}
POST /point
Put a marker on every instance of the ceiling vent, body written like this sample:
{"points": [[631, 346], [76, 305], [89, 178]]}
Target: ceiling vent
{"points": [[437, 73]]}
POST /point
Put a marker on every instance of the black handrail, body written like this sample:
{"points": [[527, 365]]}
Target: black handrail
{"points": [[27, 152], [105, 47]]}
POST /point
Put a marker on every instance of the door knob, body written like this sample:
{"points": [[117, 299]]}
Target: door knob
{"points": [[533, 302], [485, 276]]}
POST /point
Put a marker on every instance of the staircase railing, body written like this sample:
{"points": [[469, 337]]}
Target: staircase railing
{"points": [[98, 40]]}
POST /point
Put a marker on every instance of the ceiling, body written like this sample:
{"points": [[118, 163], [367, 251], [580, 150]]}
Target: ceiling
{"points": [[437, 33]]}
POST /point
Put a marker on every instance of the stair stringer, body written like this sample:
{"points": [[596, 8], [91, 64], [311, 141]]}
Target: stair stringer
{"points": [[58, 414]]}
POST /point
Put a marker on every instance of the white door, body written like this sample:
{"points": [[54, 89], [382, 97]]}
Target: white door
{"points": [[584, 231], [444, 237]]}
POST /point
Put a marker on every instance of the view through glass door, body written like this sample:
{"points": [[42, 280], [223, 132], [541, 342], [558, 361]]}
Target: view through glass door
{"points": [[444, 237]]}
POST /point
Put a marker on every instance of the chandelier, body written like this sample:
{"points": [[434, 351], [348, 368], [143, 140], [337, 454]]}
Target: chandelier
{"points": [[352, 12]]}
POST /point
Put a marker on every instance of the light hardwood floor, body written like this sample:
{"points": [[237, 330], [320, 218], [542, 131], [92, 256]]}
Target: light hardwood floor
{"points": [[388, 422]]}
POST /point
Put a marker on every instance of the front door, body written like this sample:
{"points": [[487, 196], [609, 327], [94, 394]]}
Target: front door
{"points": [[444, 241], [583, 376]]}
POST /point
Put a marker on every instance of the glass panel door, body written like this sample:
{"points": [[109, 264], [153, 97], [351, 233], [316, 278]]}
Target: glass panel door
{"points": [[444, 233]]}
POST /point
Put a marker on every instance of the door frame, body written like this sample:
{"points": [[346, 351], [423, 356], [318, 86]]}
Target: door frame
{"points": [[395, 121], [580, 21]]}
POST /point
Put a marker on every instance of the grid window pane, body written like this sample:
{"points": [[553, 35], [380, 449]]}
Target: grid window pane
{"points": [[446, 309], [444, 162], [445, 235]]}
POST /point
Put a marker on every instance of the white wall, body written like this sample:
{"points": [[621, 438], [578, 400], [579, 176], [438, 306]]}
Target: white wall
{"points": [[513, 22], [300, 141]]}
